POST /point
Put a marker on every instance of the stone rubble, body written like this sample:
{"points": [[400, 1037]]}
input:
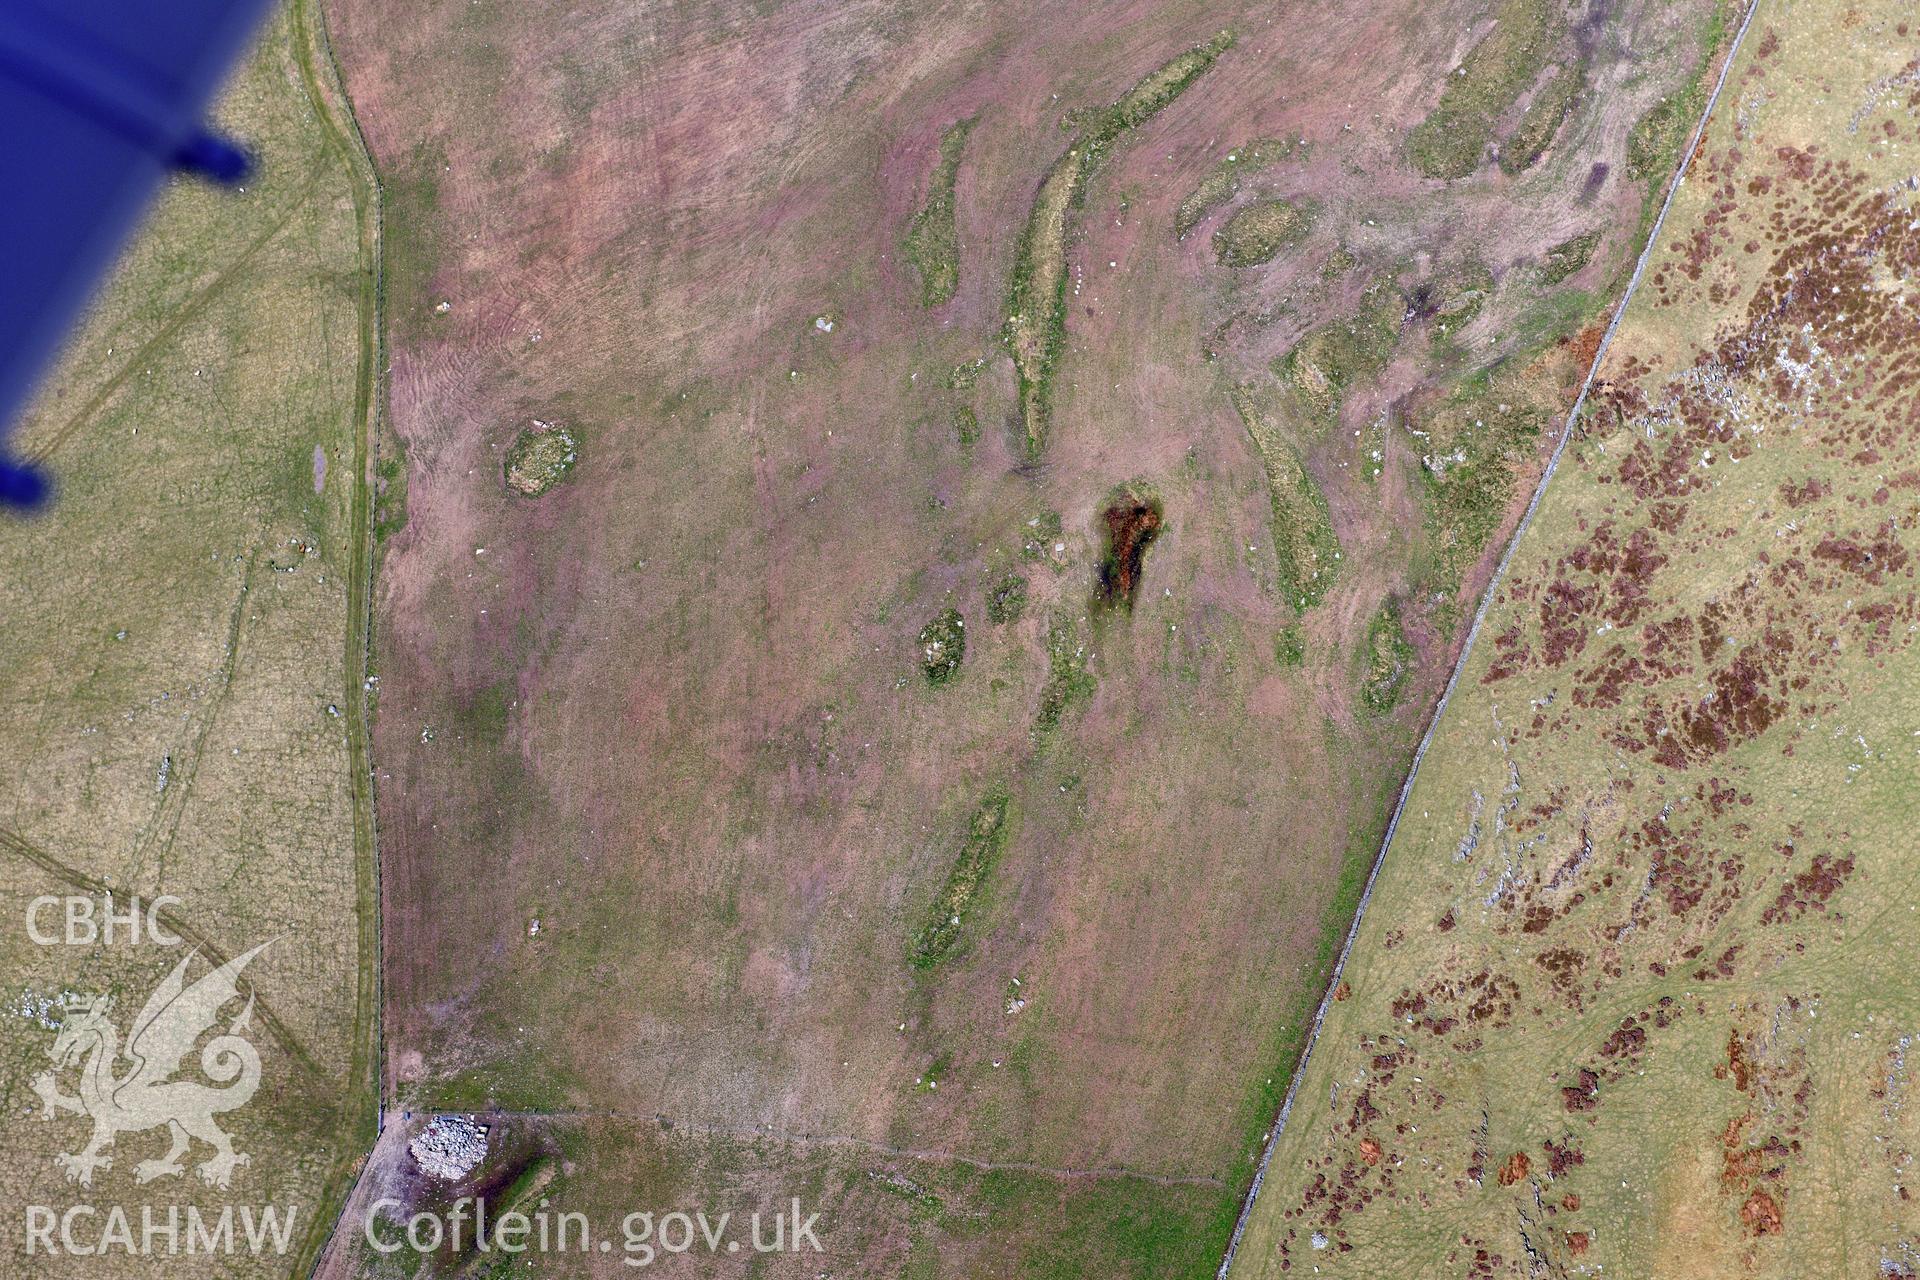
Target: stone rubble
{"points": [[450, 1147]]}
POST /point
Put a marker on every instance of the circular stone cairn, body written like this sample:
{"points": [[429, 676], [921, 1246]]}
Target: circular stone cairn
{"points": [[540, 456], [450, 1147]]}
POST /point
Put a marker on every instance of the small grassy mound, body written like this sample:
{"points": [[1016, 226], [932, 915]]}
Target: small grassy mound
{"points": [[1222, 183], [986, 838], [1290, 647], [1068, 679], [1043, 541], [963, 375], [1656, 139], [1568, 257], [1305, 549], [933, 244], [539, 458], [1259, 232], [390, 494], [1159, 87], [1007, 598], [1389, 659], [1450, 141], [943, 644], [1544, 116], [1323, 366], [1037, 295], [1478, 438], [966, 424], [1453, 300]]}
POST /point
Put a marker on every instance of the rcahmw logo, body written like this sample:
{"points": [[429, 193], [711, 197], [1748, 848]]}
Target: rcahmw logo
{"points": [[130, 1086], [145, 1095]]}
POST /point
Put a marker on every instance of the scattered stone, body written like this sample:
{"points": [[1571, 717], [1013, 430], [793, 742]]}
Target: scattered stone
{"points": [[450, 1147]]}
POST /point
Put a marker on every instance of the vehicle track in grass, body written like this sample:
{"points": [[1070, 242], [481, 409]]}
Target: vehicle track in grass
{"points": [[20, 847], [193, 306], [325, 89], [931, 1155]]}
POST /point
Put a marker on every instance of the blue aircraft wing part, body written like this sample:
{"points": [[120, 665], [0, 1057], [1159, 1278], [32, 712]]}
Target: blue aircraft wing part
{"points": [[99, 101]]}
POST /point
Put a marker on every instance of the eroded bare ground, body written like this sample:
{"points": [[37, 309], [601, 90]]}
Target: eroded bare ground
{"points": [[680, 818], [1636, 992]]}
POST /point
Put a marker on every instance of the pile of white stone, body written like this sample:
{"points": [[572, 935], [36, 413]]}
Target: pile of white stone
{"points": [[450, 1147]]}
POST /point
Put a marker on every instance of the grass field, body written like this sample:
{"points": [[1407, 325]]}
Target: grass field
{"points": [[185, 638], [1634, 994], [1501, 66], [1258, 232], [698, 816], [1037, 297]]}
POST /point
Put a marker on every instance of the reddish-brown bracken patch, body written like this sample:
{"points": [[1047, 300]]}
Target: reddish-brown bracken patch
{"points": [[1809, 890], [1514, 1169], [1577, 1242], [1761, 1215], [1583, 1096], [1561, 1157], [1132, 522], [1585, 345], [1737, 1065]]}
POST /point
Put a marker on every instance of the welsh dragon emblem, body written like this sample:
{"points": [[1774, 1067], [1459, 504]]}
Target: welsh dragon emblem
{"points": [[144, 1094]]}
